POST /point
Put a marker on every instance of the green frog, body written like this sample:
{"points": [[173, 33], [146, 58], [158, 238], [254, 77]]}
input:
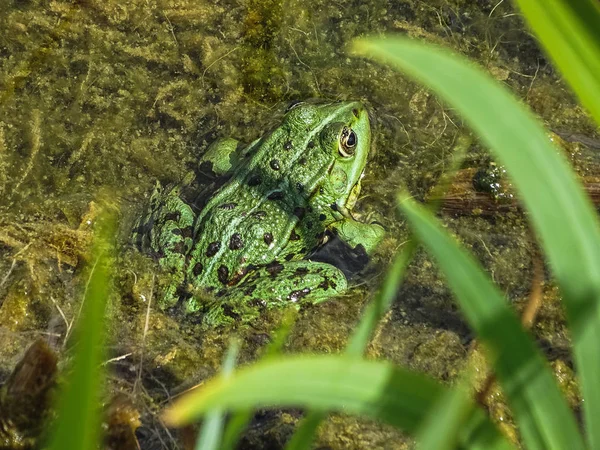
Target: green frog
{"points": [[247, 238]]}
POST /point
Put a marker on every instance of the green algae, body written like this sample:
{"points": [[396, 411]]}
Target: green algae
{"points": [[117, 94]]}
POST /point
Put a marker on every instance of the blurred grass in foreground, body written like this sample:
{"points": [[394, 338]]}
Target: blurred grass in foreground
{"points": [[79, 402]]}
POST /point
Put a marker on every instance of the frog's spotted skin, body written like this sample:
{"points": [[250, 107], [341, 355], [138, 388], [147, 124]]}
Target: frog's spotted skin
{"points": [[249, 239]]}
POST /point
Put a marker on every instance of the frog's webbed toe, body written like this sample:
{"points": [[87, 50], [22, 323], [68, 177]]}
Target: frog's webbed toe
{"points": [[355, 233]]}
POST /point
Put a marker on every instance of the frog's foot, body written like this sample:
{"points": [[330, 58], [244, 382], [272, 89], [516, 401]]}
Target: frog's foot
{"points": [[165, 232], [356, 233], [277, 285]]}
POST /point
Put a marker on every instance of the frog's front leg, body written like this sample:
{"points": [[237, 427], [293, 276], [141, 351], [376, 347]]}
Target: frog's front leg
{"points": [[356, 233], [275, 285], [165, 231]]}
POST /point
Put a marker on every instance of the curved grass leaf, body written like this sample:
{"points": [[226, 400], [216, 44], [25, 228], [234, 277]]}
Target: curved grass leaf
{"points": [[542, 413], [78, 422], [561, 213], [570, 33], [377, 390]]}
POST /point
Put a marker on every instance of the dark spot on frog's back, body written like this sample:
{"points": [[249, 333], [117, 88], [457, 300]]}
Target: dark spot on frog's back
{"points": [[276, 195], [197, 270], [301, 271], [288, 145], [178, 248], [325, 284], [213, 248], [294, 236], [186, 232], [274, 164], [259, 214], [268, 238], [254, 180], [299, 212], [223, 274], [302, 161], [229, 312], [274, 268], [297, 295], [235, 242]]}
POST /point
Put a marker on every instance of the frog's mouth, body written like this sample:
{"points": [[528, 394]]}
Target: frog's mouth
{"points": [[352, 198]]}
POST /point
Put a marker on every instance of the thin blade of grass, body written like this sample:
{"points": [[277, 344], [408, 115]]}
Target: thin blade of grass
{"points": [[212, 428], [374, 389], [79, 410], [569, 31], [543, 416]]}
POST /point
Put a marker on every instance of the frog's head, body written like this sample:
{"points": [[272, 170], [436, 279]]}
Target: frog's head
{"points": [[346, 135]]}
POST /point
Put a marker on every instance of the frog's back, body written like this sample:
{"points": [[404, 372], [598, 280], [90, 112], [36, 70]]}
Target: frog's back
{"points": [[250, 220]]}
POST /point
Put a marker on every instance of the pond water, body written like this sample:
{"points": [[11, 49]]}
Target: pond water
{"points": [[100, 99]]}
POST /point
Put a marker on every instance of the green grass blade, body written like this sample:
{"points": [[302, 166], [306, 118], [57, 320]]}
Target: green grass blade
{"points": [[235, 427], [543, 416], [569, 31], [212, 429], [78, 423], [374, 389], [384, 298]]}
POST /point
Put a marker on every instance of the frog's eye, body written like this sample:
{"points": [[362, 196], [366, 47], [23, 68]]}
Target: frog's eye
{"points": [[348, 141]]}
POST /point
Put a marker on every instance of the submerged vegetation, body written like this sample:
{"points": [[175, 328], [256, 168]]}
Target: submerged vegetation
{"points": [[106, 94]]}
